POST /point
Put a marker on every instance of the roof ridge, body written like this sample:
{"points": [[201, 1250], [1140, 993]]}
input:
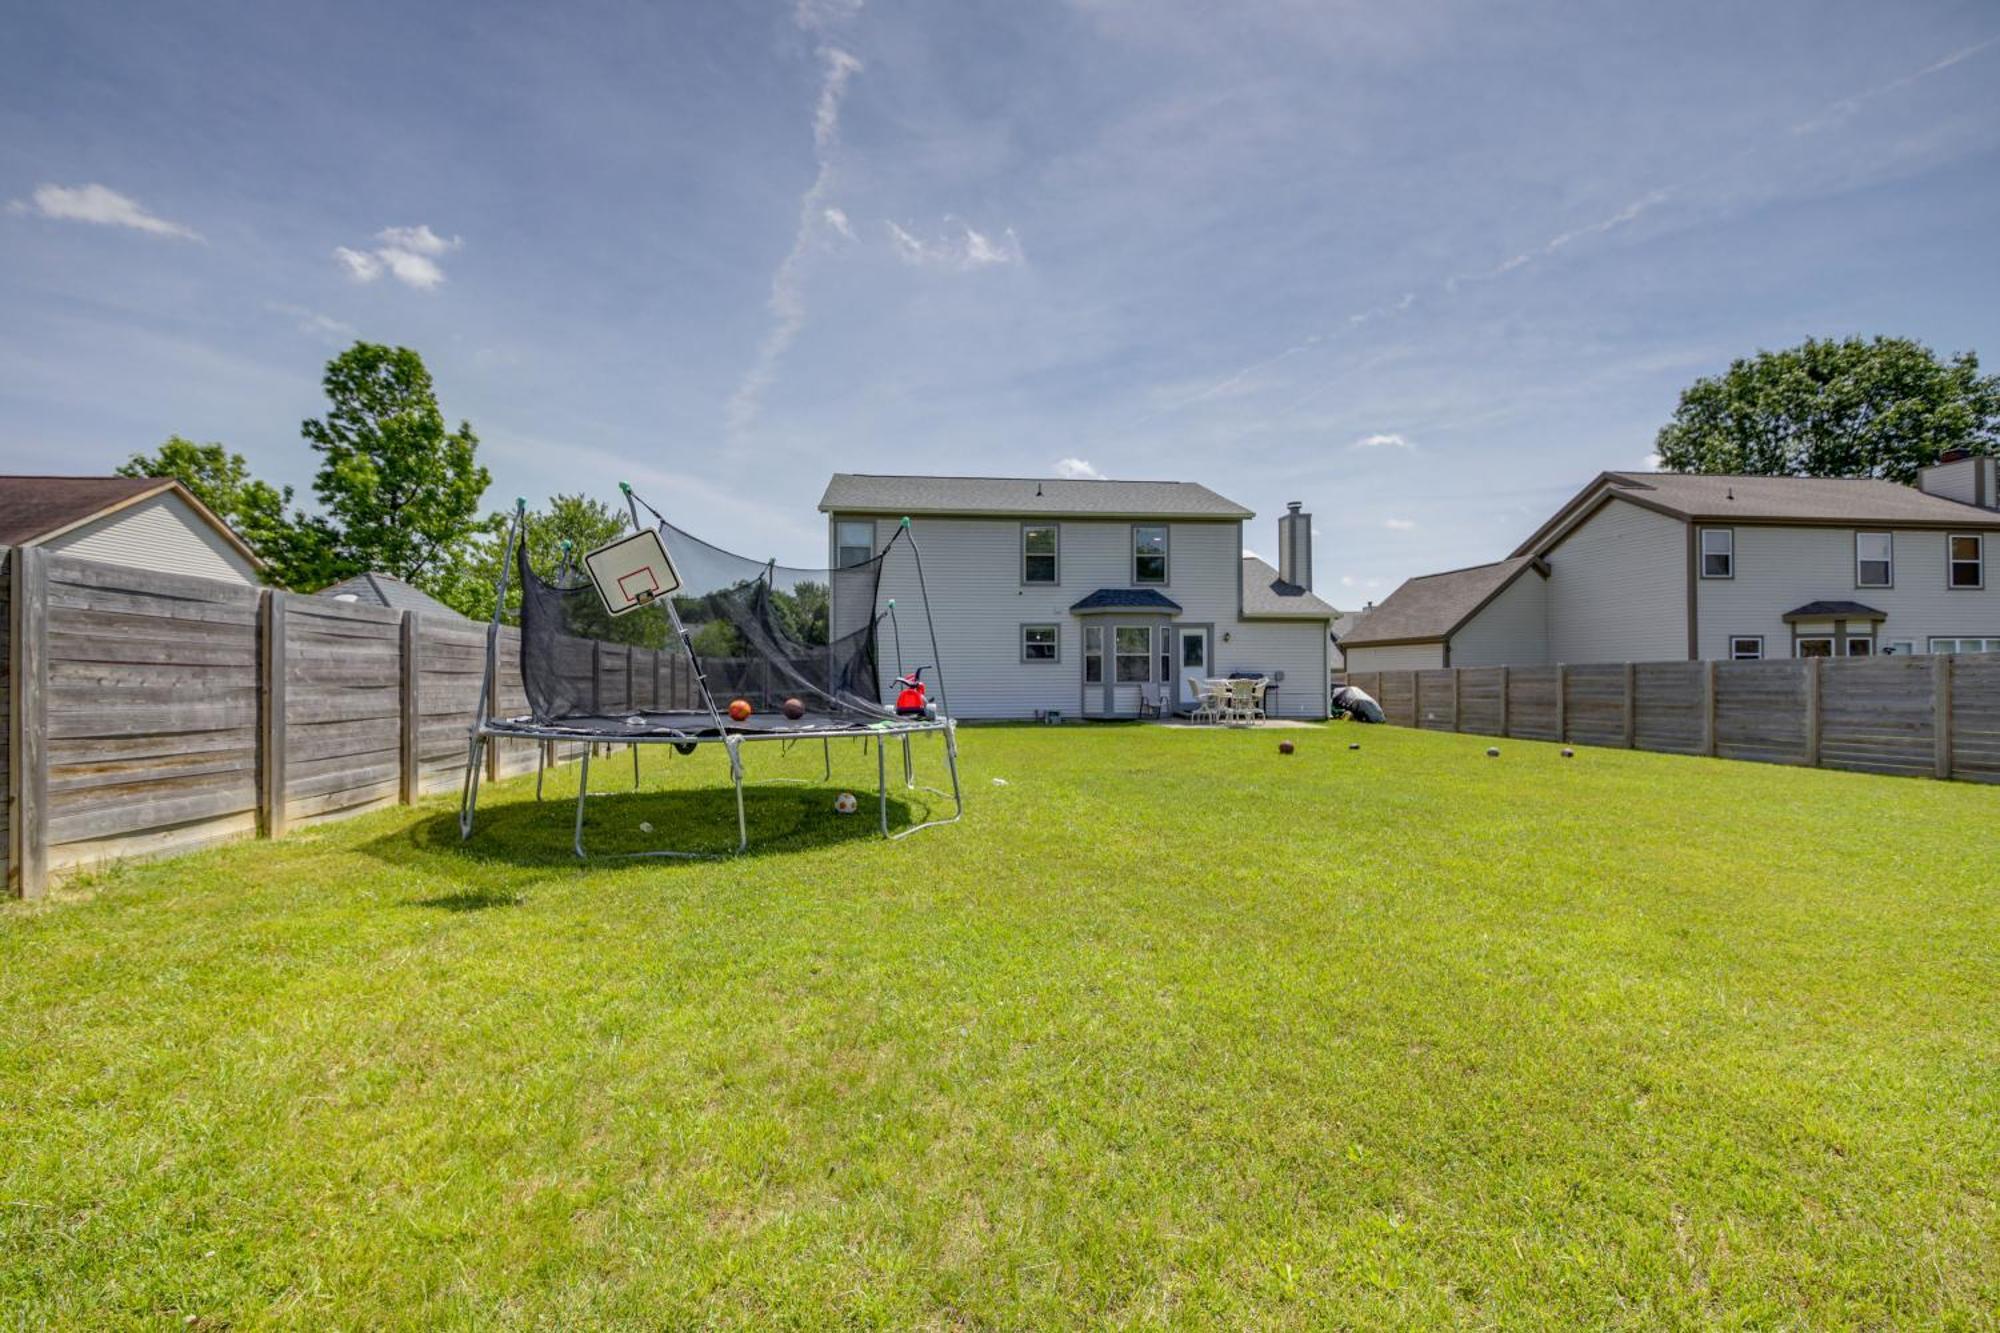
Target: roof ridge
{"points": [[972, 476]]}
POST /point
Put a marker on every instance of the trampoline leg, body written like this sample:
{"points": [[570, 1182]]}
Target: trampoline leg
{"points": [[909, 765], [882, 784], [582, 791], [541, 766], [957, 794], [736, 773], [635, 768], [827, 748], [468, 802]]}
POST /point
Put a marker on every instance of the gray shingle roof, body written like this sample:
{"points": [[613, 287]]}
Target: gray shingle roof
{"points": [[1434, 605], [1724, 499], [863, 493], [1266, 596], [1834, 611], [378, 589], [1142, 599]]}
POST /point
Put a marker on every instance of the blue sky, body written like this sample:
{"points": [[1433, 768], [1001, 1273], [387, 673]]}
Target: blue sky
{"points": [[1426, 266]]}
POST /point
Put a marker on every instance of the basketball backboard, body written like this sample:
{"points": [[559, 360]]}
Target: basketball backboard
{"points": [[632, 571]]}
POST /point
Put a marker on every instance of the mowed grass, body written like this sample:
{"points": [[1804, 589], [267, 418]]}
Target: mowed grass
{"points": [[1171, 1030]]}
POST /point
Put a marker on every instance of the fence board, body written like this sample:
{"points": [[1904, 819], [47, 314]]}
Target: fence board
{"points": [[1479, 699], [1760, 711], [1398, 697], [1594, 703], [7, 883], [1531, 703], [343, 707], [1669, 710], [151, 706], [1975, 716], [1876, 715], [1437, 708]]}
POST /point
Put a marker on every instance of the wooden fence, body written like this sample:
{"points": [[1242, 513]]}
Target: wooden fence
{"points": [[150, 713], [1935, 716]]}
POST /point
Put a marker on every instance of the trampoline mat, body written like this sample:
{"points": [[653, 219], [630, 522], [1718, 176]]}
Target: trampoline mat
{"points": [[700, 726]]}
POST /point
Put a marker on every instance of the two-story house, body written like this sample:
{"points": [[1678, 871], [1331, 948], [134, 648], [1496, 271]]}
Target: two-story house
{"points": [[1089, 597], [1644, 566]]}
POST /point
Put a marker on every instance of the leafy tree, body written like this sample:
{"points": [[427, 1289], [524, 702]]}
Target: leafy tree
{"points": [[468, 581], [401, 491], [1881, 408], [297, 550]]}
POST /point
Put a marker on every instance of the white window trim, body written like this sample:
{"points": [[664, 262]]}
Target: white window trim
{"points": [[1735, 639], [1980, 561], [1890, 561], [1800, 641], [1166, 556], [1027, 582], [1702, 552], [1055, 642], [839, 546]]}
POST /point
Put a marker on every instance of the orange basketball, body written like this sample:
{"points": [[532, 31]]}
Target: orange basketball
{"points": [[739, 710]]}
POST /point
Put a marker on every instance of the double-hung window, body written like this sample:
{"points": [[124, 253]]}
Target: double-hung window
{"points": [[1874, 560], [1965, 645], [854, 543], [1718, 553], [1093, 654], [1040, 553], [1133, 648], [1746, 647], [1038, 643], [1965, 560], [1149, 553]]}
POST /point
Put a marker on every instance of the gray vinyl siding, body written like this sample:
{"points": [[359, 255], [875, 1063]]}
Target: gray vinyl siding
{"points": [[161, 534], [978, 603], [1617, 588], [1396, 657], [1780, 568], [1512, 629]]}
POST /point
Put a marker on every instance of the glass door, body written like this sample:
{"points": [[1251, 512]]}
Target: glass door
{"points": [[1193, 669]]}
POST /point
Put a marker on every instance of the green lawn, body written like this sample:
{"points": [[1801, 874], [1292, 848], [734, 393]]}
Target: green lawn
{"points": [[1172, 1029]]}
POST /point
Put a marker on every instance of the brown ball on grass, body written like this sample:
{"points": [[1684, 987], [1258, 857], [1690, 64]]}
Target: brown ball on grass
{"points": [[1285, 747]]}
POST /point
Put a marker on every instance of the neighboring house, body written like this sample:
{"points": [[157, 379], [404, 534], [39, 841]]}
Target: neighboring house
{"points": [[378, 589], [1342, 626], [142, 522], [1088, 597], [1664, 566]]}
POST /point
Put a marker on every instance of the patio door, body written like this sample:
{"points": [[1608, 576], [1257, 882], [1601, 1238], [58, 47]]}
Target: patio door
{"points": [[1191, 664]]}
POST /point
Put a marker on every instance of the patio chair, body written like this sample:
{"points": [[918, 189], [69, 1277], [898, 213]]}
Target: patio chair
{"points": [[1207, 707], [1152, 700], [1258, 688], [1239, 704]]}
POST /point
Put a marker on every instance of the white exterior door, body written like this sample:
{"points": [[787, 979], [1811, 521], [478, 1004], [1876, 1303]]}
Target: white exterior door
{"points": [[1191, 665]]}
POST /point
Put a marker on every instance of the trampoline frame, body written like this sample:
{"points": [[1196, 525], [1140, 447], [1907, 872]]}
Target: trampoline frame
{"points": [[487, 729]]}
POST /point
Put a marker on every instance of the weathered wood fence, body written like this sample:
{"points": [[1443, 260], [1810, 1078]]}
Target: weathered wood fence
{"points": [[151, 712], [1936, 716]]}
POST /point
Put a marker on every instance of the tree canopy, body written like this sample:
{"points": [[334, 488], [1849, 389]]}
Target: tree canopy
{"points": [[1848, 408], [400, 491], [297, 550]]}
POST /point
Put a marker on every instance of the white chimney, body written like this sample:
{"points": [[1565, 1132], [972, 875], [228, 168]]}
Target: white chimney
{"points": [[1295, 546], [1961, 475]]}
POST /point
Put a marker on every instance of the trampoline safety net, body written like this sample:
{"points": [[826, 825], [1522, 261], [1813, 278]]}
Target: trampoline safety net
{"points": [[760, 631]]}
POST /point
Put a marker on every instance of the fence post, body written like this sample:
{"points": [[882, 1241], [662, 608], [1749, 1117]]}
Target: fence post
{"points": [[1457, 700], [413, 715], [1708, 694], [1812, 710], [1503, 702], [28, 723], [1562, 702], [271, 734], [1631, 705], [1941, 711]]}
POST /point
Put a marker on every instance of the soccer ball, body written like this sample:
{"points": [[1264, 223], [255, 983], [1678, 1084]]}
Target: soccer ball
{"points": [[1492, 752], [845, 804]]}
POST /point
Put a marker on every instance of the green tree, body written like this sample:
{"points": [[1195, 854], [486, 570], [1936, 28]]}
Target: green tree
{"points": [[401, 491], [297, 550], [1848, 408], [571, 524]]}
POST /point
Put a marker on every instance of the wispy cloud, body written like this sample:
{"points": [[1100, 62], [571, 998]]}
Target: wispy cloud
{"points": [[100, 204], [1399, 524], [1077, 469], [971, 249], [787, 301], [313, 323], [1835, 112], [1383, 440], [1352, 581], [407, 254]]}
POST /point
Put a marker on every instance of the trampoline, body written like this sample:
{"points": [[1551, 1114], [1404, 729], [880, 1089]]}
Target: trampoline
{"points": [[783, 640]]}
